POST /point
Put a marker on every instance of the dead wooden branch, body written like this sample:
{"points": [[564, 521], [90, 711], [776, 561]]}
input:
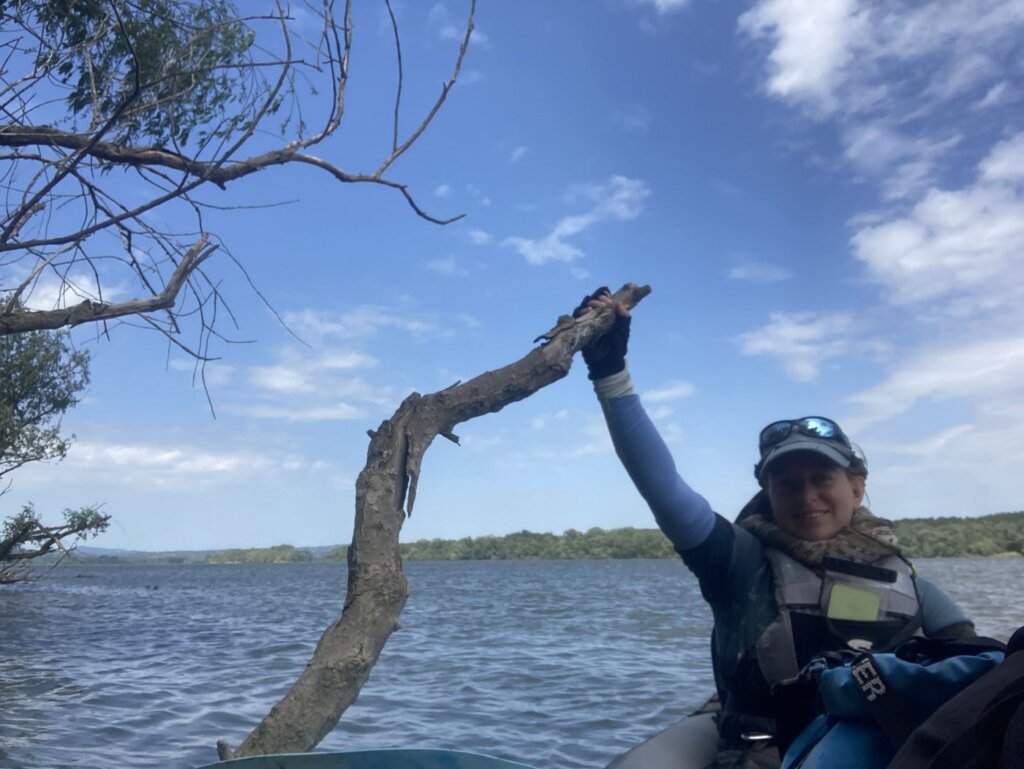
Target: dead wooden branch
{"points": [[15, 322], [385, 494]]}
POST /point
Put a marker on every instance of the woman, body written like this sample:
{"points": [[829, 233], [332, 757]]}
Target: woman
{"points": [[805, 569]]}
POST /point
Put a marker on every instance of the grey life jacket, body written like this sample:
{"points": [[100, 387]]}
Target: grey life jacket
{"points": [[865, 607]]}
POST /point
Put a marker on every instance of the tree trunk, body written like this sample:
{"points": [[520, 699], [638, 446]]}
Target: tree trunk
{"points": [[377, 588]]}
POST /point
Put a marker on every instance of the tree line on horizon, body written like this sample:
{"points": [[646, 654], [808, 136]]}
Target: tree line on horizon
{"points": [[1001, 534]]}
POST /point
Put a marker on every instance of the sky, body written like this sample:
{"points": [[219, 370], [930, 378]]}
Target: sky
{"points": [[825, 196]]}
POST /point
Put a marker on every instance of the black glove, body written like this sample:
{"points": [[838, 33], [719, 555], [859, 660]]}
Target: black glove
{"points": [[607, 354]]}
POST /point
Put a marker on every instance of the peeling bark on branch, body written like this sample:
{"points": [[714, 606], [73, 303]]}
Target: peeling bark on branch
{"points": [[385, 494]]}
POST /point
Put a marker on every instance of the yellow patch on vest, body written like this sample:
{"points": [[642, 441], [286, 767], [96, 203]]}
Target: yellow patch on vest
{"points": [[853, 603]]}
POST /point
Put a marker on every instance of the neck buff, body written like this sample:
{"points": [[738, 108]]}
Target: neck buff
{"points": [[867, 539]]}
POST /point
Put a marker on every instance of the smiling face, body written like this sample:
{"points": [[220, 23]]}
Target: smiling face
{"points": [[812, 498]]}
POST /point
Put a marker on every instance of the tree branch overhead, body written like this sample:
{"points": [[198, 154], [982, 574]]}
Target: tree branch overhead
{"points": [[182, 95]]}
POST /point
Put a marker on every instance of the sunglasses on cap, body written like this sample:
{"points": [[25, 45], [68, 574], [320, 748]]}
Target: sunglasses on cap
{"points": [[813, 427]]}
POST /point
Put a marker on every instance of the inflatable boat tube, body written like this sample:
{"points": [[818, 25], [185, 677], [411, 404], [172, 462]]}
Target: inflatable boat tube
{"points": [[687, 744], [371, 759]]}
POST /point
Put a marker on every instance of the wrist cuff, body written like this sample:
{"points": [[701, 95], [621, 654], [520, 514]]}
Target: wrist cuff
{"points": [[614, 386]]}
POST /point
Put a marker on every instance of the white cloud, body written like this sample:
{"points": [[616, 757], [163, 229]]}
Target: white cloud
{"points": [[304, 387], [305, 374], [801, 342], [298, 413], [961, 243], [760, 272], [579, 273], [904, 80], [659, 413], [670, 391], [279, 379], [664, 7], [621, 199], [357, 322], [49, 294], [812, 46], [479, 237], [132, 462], [964, 74], [344, 360], [996, 95], [451, 32], [635, 117], [1006, 161], [477, 442], [544, 421], [596, 439], [470, 76], [443, 191], [988, 371], [478, 196], [518, 154], [446, 265], [441, 24], [832, 55]]}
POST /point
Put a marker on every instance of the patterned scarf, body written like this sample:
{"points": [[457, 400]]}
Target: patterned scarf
{"points": [[867, 539]]}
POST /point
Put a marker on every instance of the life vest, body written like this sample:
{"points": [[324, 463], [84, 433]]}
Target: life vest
{"points": [[845, 606], [863, 607]]}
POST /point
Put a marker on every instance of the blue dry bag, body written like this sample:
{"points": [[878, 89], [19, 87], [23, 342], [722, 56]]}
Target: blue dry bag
{"points": [[874, 702]]}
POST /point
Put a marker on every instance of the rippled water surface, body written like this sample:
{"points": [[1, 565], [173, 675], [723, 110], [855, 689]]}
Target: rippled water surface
{"points": [[559, 664]]}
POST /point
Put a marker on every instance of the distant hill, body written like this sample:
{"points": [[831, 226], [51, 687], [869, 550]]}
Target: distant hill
{"points": [[996, 535]]}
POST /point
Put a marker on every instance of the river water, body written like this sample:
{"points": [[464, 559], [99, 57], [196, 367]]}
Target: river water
{"points": [[558, 664]]}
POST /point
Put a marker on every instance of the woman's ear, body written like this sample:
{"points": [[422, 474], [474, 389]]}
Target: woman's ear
{"points": [[858, 484]]}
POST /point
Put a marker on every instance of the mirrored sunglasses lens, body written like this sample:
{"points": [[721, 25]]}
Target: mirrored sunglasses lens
{"points": [[775, 432], [823, 428]]}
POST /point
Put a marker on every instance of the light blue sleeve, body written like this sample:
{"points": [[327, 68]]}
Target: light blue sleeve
{"points": [[683, 515], [938, 609]]}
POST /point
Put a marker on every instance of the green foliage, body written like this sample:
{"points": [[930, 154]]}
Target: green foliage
{"points": [[339, 553], [25, 537], [276, 554], [40, 378], [526, 545], [999, 534], [158, 68], [988, 535]]}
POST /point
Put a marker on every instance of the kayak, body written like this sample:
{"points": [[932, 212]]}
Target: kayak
{"points": [[687, 744], [691, 743], [371, 759]]}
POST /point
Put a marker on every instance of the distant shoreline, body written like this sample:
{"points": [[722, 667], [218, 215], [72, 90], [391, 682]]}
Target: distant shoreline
{"points": [[992, 536]]}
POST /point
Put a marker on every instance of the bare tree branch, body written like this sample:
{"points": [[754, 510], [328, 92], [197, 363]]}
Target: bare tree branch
{"points": [[89, 311], [398, 89], [132, 116], [385, 494]]}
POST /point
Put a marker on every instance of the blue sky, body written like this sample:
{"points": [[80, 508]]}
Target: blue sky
{"points": [[826, 196]]}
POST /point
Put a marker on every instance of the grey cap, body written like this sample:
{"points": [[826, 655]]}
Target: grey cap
{"points": [[826, 447]]}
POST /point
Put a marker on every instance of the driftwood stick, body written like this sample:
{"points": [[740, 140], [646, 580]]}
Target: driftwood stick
{"points": [[385, 494]]}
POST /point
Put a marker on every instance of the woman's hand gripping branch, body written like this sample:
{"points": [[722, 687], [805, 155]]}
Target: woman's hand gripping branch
{"points": [[607, 355]]}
